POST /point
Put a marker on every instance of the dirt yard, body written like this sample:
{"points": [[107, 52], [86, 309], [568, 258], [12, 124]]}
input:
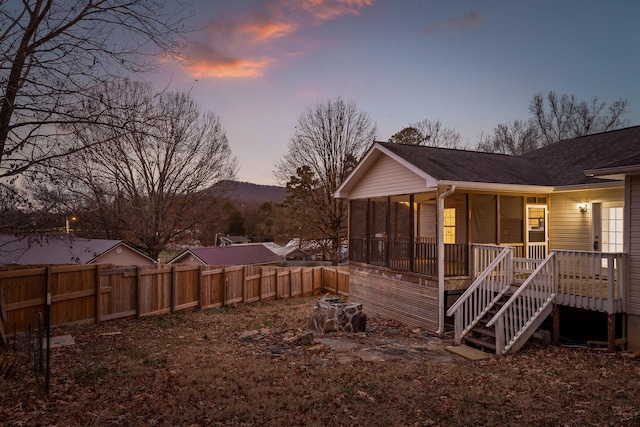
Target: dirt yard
{"points": [[246, 365]]}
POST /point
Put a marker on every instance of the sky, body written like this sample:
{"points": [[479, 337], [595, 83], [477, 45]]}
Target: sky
{"points": [[259, 65]]}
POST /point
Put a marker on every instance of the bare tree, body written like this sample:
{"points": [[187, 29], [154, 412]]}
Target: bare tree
{"points": [[436, 135], [428, 132], [55, 53], [561, 117], [325, 147], [147, 184], [515, 138]]}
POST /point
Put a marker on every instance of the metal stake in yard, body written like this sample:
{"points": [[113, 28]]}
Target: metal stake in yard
{"points": [[47, 315]]}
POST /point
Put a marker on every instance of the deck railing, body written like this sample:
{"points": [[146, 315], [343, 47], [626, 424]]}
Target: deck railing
{"points": [[483, 293], [483, 256], [525, 310], [592, 280], [397, 254]]}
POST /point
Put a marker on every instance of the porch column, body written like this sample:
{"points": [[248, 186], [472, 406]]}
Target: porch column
{"points": [[440, 260], [387, 240], [412, 227], [367, 241]]}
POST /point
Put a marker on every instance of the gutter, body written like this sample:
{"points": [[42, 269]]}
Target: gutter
{"points": [[440, 239]]}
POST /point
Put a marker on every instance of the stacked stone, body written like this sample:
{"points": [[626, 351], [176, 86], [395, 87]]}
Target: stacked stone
{"points": [[331, 314]]}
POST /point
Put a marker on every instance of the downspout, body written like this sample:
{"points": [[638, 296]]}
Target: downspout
{"points": [[440, 242]]}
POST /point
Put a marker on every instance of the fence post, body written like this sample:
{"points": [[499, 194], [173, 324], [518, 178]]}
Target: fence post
{"points": [[277, 281], [98, 305], [290, 281], [138, 291], [244, 284], [224, 287], [260, 283], [173, 288], [47, 316], [200, 297]]}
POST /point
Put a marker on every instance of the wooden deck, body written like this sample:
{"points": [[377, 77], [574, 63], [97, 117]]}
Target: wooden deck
{"points": [[592, 280], [588, 280]]}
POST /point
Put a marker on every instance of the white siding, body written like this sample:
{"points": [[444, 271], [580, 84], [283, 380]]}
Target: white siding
{"points": [[122, 255], [386, 177], [571, 229], [634, 244]]}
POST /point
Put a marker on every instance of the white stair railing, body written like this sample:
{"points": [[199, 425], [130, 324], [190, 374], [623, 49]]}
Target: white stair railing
{"points": [[483, 293], [527, 308]]}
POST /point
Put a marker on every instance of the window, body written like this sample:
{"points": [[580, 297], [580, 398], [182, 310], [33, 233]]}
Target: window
{"points": [[612, 234], [449, 225]]}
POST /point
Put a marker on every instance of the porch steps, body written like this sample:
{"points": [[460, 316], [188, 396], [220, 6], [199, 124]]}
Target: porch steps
{"points": [[480, 336], [483, 337]]}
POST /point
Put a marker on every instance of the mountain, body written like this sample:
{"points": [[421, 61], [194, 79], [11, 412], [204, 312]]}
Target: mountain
{"points": [[248, 192]]}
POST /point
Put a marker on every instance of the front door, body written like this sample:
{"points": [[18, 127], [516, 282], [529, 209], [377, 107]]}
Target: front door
{"points": [[537, 231]]}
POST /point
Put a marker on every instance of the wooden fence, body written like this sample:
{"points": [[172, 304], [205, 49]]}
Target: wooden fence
{"points": [[96, 293]]}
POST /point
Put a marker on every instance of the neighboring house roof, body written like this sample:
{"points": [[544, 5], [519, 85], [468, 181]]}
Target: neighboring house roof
{"points": [[565, 163], [308, 246], [58, 249], [248, 254], [286, 252], [234, 240]]}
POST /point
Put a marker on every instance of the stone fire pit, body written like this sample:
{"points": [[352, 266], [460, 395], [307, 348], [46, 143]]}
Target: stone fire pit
{"points": [[332, 314]]}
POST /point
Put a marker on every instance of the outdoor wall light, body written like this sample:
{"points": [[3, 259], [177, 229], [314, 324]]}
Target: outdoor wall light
{"points": [[582, 207]]}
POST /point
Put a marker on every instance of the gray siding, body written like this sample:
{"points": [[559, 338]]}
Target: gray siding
{"points": [[633, 209], [569, 228], [407, 298]]}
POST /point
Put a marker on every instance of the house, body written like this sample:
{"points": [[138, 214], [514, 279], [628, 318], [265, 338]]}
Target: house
{"points": [[558, 227], [39, 249], [288, 252], [232, 240], [247, 254], [315, 249]]}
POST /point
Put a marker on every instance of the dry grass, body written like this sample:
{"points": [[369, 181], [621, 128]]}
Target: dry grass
{"points": [[192, 369]]}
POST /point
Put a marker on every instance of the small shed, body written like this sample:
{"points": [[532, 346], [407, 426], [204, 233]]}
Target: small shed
{"points": [[38, 249], [248, 254]]}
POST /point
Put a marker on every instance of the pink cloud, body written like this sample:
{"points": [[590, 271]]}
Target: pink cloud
{"points": [[245, 37], [467, 21], [264, 31], [324, 10], [205, 62]]}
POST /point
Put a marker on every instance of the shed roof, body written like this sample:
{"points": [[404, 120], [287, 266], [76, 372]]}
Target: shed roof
{"points": [[248, 254], [54, 249]]}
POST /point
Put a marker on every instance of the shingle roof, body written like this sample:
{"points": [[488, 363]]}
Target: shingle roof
{"points": [[567, 160], [469, 166], [51, 249], [235, 255], [560, 164]]}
